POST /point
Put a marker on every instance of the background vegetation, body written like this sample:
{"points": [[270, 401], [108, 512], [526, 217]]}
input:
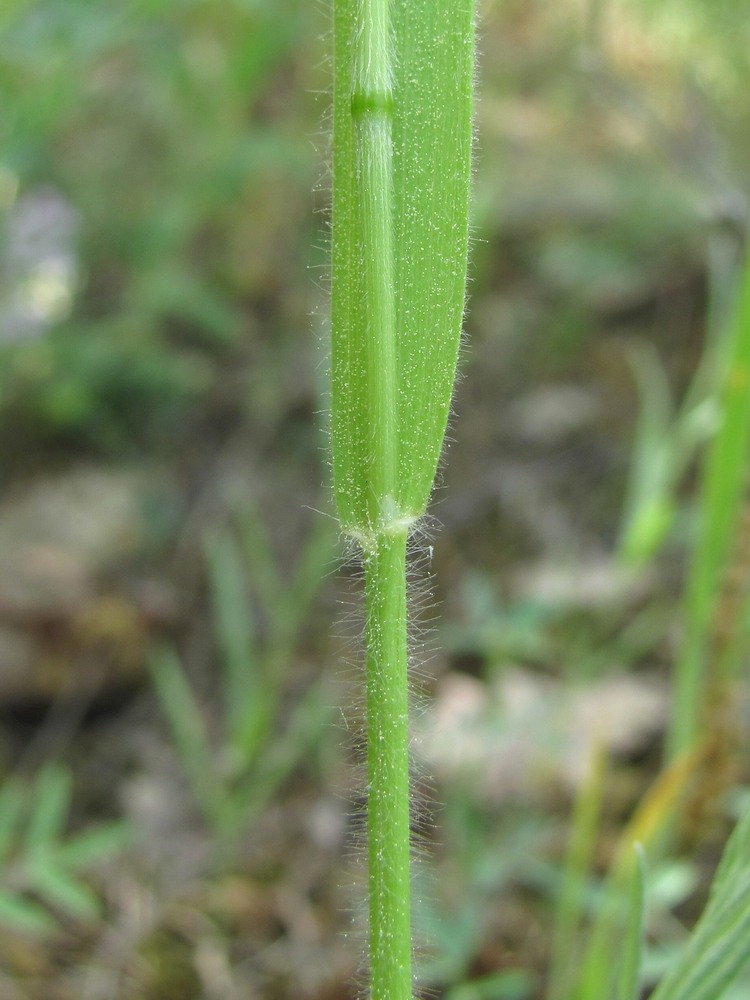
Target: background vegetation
{"points": [[180, 745]]}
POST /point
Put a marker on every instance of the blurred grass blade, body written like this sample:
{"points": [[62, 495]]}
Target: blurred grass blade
{"points": [[287, 617], [94, 845], [260, 559], [510, 985], [50, 806], [56, 886], [11, 810], [630, 971], [188, 728], [719, 947], [648, 826], [570, 905], [647, 505], [234, 624], [19, 914], [733, 867], [298, 742], [724, 476], [665, 443], [317, 553], [181, 708]]}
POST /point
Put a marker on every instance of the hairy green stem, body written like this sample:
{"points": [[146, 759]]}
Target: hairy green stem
{"points": [[401, 159], [385, 563], [388, 769]]}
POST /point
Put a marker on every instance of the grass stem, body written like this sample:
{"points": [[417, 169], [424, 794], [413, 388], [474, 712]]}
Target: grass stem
{"points": [[401, 168], [388, 769]]}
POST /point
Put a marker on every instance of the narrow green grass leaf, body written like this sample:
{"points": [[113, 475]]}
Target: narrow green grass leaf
{"points": [[12, 800], [19, 914], [734, 864], [724, 476], [648, 505], [234, 624], [49, 812], [571, 902], [630, 970], [666, 439], [514, 985], [716, 954], [647, 827], [432, 160], [188, 730], [94, 845], [288, 751], [182, 710], [260, 559], [408, 125], [718, 948], [57, 887], [316, 556]]}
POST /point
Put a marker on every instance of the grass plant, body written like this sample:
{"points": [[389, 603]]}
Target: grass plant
{"points": [[42, 867], [401, 172], [235, 764], [666, 440], [570, 901], [699, 737], [717, 950], [703, 667], [608, 960], [669, 436]]}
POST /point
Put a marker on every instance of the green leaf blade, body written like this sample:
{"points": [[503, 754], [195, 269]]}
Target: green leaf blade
{"points": [[21, 915], [12, 801], [630, 971], [93, 846], [52, 794], [56, 886], [429, 146], [432, 140], [718, 948]]}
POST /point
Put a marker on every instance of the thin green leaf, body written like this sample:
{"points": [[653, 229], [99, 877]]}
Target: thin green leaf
{"points": [[723, 480], [49, 812], [234, 624], [188, 729], [285, 754], [718, 948], [732, 869], [93, 845], [19, 914], [317, 551], [56, 886], [648, 505], [665, 442], [630, 970], [262, 563], [407, 247], [12, 800], [571, 898], [181, 709], [512, 985], [646, 827], [716, 954]]}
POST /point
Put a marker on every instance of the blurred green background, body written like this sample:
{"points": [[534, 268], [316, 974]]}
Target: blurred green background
{"points": [[179, 679]]}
